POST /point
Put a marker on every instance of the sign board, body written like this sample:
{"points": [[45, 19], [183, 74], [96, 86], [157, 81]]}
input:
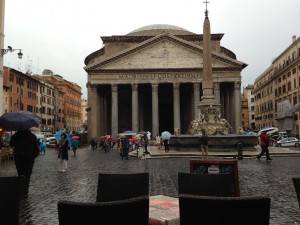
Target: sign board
{"points": [[218, 167]]}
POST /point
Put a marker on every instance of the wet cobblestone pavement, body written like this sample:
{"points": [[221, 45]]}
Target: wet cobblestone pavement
{"points": [[79, 183]]}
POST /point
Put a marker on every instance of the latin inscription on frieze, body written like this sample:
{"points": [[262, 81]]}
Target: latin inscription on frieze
{"points": [[159, 76]]}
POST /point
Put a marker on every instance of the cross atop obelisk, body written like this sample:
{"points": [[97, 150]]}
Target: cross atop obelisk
{"points": [[206, 11]]}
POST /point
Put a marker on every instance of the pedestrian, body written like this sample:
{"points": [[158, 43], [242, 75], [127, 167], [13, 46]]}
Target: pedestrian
{"points": [[166, 144], [264, 144], [63, 155], [43, 146], [146, 143], [157, 141], [74, 146], [125, 147], [26, 149], [204, 143]]}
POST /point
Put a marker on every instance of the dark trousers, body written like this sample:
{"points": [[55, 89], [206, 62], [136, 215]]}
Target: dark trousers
{"points": [[125, 153], [166, 144], [264, 150], [146, 148], [24, 167]]}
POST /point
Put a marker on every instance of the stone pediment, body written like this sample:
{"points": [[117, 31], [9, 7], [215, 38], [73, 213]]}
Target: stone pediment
{"points": [[162, 52]]}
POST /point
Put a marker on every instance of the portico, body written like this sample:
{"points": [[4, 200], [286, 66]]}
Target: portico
{"points": [[151, 79]]}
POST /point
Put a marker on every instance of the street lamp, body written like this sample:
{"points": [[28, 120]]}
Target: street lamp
{"points": [[10, 49]]}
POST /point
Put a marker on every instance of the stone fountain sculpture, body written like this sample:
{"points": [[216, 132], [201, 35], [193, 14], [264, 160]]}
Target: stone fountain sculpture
{"points": [[210, 119]]}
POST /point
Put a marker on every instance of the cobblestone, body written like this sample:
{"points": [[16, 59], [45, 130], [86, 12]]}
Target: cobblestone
{"points": [[79, 183]]}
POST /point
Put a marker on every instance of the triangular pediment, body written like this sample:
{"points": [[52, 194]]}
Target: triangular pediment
{"points": [[162, 52]]}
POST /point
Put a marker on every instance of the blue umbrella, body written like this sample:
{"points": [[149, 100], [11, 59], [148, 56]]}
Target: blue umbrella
{"points": [[166, 135], [58, 133]]}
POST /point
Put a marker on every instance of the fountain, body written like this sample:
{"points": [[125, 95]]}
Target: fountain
{"points": [[208, 115]]}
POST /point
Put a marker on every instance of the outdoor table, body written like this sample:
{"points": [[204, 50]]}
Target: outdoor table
{"points": [[164, 210]]}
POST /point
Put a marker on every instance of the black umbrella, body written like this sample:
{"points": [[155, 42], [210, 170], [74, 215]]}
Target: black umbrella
{"points": [[20, 120], [295, 108]]}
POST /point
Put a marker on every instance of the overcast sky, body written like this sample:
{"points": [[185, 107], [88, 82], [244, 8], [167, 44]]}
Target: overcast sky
{"points": [[59, 34]]}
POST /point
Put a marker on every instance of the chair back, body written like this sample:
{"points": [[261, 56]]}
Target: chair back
{"points": [[206, 184], [114, 187], [10, 197], [134, 211], [296, 182], [196, 209]]}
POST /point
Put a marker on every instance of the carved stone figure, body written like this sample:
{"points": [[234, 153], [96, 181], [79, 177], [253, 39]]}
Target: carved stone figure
{"points": [[210, 120]]}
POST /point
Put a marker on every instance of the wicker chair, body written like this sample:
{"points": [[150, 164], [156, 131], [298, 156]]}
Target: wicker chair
{"points": [[10, 197], [134, 211], [196, 209], [206, 184], [296, 181], [115, 187]]}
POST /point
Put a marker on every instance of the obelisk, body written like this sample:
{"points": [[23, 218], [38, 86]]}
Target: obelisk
{"points": [[208, 97]]}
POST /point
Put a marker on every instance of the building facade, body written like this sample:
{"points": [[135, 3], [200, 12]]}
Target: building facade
{"points": [[2, 91], [72, 100], [249, 96], [277, 90], [151, 79]]}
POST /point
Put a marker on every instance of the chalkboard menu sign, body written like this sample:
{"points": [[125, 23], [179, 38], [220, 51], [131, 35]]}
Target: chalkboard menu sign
{"points": [[218, 167]]}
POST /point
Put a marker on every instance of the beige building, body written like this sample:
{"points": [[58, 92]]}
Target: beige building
{"points": [[249, 96], [151, 79], [277, 90], [84, 106], [2, 10]]}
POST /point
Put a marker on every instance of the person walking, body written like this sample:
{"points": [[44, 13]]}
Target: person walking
{"points": [[264, 144], [166, 144], [43, 146], [63, 155], [204, 144], [157, 141], [26, 149], [74, 146], [146, 143], [125, 147]]}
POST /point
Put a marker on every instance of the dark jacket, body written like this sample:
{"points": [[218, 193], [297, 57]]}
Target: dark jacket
{"points": [[203, 139], [25, 144], [63, 149]]}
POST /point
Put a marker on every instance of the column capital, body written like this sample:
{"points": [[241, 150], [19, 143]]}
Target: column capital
{"points": [[154, 87], [176, 86], [93, 87], [237, 85], [134, 87], [114, 87], [216, 85], [196, 86]]}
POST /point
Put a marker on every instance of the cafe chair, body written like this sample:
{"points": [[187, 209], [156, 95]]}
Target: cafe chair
{"points": [[212, 210], [296, 181], [134, 211], [206, 184], [114, 187], [10, 198]]}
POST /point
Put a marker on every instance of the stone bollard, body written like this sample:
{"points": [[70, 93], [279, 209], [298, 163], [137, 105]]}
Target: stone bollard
{"points": [[240, 150]]}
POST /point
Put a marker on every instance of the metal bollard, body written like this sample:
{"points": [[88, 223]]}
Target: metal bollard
{"points": [[240, 150]]}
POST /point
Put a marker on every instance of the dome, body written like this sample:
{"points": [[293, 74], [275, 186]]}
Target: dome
{"points": [[156, 29]]}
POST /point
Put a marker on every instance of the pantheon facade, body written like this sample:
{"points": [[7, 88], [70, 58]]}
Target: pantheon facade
{"points": [[151, 80]]}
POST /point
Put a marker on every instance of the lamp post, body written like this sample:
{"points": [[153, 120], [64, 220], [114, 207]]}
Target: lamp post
{"points": [[10, 49]]}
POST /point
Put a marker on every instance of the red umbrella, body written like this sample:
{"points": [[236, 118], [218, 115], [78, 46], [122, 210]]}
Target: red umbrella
{"points": [[105, 136], [75, 137]]}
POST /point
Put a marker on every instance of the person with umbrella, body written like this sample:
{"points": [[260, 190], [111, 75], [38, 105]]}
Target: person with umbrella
{"points": [[74, 144], [166, 136], [26, 149], [63, 146]]}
